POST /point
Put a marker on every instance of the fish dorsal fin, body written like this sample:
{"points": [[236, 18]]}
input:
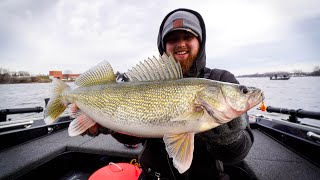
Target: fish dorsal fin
{"points": [[164, 68], [99, 74]]}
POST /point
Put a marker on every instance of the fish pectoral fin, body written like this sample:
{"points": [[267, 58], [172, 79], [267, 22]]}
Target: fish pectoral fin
{"points": [[80, 124], [196, 113], [180, 147]]}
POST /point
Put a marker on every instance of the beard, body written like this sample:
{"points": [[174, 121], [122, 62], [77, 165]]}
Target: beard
{"points": [[186, 64]]}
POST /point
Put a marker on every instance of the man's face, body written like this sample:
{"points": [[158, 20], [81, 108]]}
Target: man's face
{"points": [[183, 46]]}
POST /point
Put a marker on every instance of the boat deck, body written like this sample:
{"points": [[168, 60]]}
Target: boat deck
{"points": [[267, 159]]}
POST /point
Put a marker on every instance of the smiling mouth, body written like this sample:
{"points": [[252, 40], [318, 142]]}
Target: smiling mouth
{"points": [[181, 52]]}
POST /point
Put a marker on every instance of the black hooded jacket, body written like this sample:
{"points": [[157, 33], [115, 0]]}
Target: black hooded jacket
{"points": [[228, 143]]}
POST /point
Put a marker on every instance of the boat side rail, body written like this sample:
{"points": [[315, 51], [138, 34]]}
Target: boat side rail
{"points": [[15, 124], [289, 124], [302, 138], [14, 136], [5, 112], [311, 132]]}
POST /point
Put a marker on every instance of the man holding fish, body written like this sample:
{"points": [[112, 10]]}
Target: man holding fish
{"points": [[187, 133]]}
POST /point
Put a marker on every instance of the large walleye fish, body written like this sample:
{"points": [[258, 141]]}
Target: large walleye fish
{"points": [[157, 102]]}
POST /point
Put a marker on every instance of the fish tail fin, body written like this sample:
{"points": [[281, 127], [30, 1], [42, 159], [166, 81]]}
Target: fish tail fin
{"points": [[57, 103]]}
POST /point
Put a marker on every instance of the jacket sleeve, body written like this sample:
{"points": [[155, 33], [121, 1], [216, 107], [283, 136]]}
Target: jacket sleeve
{"points": [[232, 141]]}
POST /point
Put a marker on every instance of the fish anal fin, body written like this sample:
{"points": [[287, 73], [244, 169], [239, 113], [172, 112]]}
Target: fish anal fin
{"points": [[80, 124], [180, 147]]}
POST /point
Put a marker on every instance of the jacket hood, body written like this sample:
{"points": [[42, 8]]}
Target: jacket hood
{"points": [[200, 61]]}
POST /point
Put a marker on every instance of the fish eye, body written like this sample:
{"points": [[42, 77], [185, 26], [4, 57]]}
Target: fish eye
{"points": [[244, 89]]}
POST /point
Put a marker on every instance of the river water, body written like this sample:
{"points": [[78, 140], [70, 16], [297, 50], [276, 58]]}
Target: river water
{"points": [[295, 93]]}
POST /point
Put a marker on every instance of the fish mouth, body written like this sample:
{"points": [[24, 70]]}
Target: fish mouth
{"points": [[262, 96], [253, 100], [257, 98]]}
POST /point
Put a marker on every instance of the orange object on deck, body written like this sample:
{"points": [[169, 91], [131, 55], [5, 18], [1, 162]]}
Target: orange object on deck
{"points": [[263, 107], [117, 171]]}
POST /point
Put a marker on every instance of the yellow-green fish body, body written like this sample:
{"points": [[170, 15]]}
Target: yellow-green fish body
{"points": [[157, 102], [144, 109]]}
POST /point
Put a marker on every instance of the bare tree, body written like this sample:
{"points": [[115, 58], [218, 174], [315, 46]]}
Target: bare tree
{"points": [[316, 71], [3, 70]]}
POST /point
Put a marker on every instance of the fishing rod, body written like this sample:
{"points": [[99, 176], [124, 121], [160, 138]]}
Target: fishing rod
{"points": [[294, 114]]}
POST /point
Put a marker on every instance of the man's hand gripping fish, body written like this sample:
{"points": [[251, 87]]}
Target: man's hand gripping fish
{"points": [[157, 102]]}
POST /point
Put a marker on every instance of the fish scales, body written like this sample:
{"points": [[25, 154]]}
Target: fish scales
{"points": [[142, 103]]}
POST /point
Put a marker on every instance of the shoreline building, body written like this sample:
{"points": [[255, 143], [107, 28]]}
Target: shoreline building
{"points": [[59, 75], [55, 74]]}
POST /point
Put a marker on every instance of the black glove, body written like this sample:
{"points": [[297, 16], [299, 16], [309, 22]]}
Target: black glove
{"points": [[226, 133], [229, 142], [96, 129]]}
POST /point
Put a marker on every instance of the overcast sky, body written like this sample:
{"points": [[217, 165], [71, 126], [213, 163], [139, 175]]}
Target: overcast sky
{"points": [[243, 37]]}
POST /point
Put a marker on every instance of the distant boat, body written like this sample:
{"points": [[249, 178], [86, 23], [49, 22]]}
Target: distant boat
{"points": [[277, 77]]}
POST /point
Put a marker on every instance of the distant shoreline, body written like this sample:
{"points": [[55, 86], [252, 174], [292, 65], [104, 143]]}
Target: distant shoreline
{"points": [[7, 79], [41, 82], [25, 83], [316, 72], [269, 76]]}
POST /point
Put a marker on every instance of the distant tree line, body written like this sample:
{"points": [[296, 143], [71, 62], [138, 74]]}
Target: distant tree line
{"points": [[7, 77], [315, 72]]}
